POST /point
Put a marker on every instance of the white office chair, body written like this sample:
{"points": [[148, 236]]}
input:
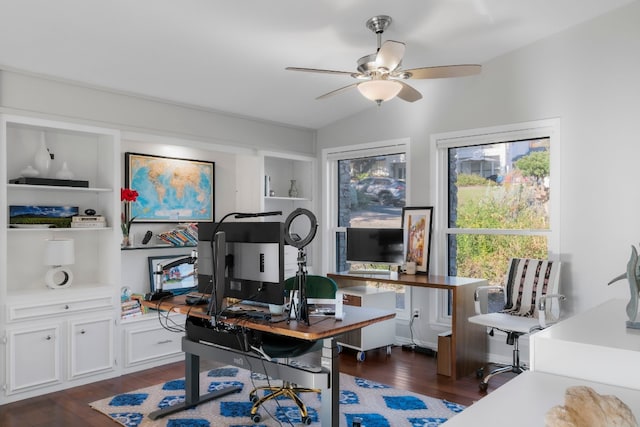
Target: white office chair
{"points": [[531, 303]]}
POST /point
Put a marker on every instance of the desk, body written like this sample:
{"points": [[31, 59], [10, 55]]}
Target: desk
{"points": [[325, 328], [525, 399], [468, 341]]}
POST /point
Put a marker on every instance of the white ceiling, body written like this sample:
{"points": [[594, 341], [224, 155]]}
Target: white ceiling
{"points": [[230, 55]]}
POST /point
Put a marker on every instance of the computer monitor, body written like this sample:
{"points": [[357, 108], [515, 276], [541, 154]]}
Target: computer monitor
{"points": [[249, 263], [375, 246]]}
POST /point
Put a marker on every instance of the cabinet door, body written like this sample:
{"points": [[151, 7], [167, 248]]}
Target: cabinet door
{"points": [[91, 346], [33, 358]]}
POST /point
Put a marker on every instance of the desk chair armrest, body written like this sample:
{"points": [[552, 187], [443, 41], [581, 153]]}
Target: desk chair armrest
{"points": [[480, 297], [547, 313]]}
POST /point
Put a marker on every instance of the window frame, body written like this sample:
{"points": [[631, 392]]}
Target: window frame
{"points": [[442, 142], [329, 212]]}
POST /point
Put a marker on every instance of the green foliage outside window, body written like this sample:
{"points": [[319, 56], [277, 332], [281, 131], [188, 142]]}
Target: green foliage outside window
{"points": [[512, 206]]}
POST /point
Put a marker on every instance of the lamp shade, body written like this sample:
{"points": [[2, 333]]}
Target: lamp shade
{"points": [[379, 90], [59, 252]]}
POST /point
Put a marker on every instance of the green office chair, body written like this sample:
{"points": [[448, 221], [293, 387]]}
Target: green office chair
{"points": [[275, 346]]}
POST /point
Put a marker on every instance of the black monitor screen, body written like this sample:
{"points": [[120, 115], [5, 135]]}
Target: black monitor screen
{"points": [[375, 245]]}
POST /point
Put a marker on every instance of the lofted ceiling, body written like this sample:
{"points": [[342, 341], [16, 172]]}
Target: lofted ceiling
{"points": [[231, 56]]}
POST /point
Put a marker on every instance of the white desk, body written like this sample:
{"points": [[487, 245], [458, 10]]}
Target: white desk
{"points": [[595, 345], [525, 400]]}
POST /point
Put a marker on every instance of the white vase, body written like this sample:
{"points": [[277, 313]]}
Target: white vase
{"points": [[64, 172], [293, 190], [42, 160], [29, 172]]}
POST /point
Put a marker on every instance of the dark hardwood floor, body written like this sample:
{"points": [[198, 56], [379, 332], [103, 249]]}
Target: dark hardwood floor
{"points": [[403, 369]]}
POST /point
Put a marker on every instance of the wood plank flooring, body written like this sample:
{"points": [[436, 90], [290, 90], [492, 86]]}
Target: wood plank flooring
{"points": [[403, 369]]}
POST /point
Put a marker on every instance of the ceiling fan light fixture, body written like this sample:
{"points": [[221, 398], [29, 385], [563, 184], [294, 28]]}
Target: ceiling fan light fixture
{"points": [[379, 90]]}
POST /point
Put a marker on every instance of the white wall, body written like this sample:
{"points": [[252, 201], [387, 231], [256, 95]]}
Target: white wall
{"points": [[589, 78]]}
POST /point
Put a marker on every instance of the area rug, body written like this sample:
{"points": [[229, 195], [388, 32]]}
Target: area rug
{"points": [[375, 404]]}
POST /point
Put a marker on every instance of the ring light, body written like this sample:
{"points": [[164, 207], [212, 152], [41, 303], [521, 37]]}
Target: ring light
{"points": [[297, 242]]}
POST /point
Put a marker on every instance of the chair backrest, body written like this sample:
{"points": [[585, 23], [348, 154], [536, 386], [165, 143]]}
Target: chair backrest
{"points": [[317, 287], [528, 280]]}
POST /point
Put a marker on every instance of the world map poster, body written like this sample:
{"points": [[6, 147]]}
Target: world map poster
{"points": [[170, 189]]}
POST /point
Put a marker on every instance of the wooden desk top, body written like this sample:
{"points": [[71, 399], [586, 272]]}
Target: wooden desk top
{"points": [[320, 326], [419, 280]]}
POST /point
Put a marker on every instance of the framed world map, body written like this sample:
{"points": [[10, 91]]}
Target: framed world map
{"points": [[169, 189]]}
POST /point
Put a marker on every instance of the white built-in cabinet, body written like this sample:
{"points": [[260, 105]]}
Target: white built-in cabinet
{"points": [[57, 338]]}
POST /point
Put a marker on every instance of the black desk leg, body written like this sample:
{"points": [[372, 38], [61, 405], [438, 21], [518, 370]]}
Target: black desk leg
{"points": [[329, 410], [192, 389]]}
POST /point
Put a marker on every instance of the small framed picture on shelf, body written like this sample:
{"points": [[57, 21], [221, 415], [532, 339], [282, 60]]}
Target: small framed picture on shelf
{"points": [[169, 189], [416, 228]]}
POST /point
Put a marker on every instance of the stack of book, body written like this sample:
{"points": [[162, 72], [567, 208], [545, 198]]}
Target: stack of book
{"points": [[131, 308], [182, 235]]}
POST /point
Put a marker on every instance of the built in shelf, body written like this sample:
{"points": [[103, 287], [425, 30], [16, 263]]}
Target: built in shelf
{"points": [[58, 188], [292, 199], [133, 248], [57, 230]]}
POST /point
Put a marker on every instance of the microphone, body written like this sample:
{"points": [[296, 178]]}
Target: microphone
{"points": [[257, 214]]}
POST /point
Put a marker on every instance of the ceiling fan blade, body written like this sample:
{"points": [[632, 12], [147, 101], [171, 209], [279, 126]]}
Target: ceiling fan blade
{"points": [[408, 93], [317, 70], [390, 55], [442, 71], [337, 91]]}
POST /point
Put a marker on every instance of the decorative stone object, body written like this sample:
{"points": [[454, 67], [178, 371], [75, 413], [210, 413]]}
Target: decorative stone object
{"points": [[584, 407]]}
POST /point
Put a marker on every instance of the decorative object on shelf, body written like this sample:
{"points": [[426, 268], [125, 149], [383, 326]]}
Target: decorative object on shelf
{"points": [[59, 253], [64, 172], [127, 196], [171, 190], [29, 172], [416, 226], [42, 159], [267, 185], [50, 181], [633, 277], [51, 216], [293, 190]]}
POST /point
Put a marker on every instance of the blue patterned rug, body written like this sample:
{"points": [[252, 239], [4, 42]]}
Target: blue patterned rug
{"points": [[377, 405]]}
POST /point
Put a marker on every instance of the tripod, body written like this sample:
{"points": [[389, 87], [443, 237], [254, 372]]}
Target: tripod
{"points": [[300, 308]]}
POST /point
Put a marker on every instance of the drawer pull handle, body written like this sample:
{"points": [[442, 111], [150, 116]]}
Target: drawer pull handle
{"points": [[48, 337], [66, 306], [82, 331], [164, 341]]}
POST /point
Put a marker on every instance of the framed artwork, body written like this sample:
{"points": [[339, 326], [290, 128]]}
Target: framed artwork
{"points": [[169, 189], [416, 228], [177, 279]]}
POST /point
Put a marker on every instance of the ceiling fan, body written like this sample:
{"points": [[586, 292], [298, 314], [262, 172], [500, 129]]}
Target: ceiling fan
{"points": [[380, 74]]}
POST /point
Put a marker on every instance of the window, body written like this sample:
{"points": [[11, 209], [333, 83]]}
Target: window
{"points": [[367, 188], [498, 193]]}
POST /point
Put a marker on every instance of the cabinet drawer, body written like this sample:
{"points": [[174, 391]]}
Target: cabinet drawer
{"points": [[147, 344], [38, 311], [352, 300]]}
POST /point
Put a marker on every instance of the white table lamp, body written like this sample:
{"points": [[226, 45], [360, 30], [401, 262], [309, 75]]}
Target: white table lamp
{"points": [[58, 254]]}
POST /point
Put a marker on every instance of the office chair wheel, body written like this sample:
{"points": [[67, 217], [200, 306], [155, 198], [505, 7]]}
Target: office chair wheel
{"points": [[479, 373], [306, 421], [360, 356], [483, 386], [388, 350], [256, 417], [339, 348], [253, 398]]}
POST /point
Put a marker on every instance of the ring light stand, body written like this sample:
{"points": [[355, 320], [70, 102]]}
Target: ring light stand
{"points": [[300, 309]]}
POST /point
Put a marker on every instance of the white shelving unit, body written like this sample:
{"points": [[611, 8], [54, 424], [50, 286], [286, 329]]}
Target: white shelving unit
{"points": [[58, 338], [281, 170]]}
